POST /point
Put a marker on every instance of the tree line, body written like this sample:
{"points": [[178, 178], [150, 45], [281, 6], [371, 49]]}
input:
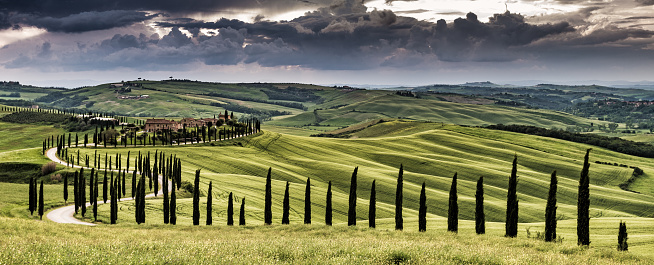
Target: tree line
{"points": [[108, 136], [611, 143]]}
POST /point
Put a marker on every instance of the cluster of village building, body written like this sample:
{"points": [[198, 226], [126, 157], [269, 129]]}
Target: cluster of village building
{"points": [[152, 125]]}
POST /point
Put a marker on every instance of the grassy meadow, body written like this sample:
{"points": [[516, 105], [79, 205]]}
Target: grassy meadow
{"points": [[430, 152], [28, 241]]}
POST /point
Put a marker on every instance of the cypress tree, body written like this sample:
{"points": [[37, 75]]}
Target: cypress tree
{"points": [[156, 181], [453, 209], [230, 210], [209, 195], [173, 205], [65, 188], [352, 209], [399, 221], [372, 207], [104, 187], [196, 198], [328, 207], [91, 189], [112, 202], [76, 191], [286, 206], [550, 210], [133, 183], [142, 201], [166, 202], [512, 202], [480, 217], [137, 204], [241, 219], [31, 207], [422, 211], [95, 198], [123, 186], [268, 200], [583, 205], [82, 186], [41, 206], [307, 203], [622, 237]]}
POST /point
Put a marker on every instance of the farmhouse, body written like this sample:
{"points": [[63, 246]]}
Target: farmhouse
{"points": [[152, 125]]}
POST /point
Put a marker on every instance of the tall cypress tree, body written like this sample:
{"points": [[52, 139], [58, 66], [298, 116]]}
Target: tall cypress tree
{"points": [[156, 180], [372, 207], [112, 202], [95, 198], [550, 210], [209, 197], [173, 205], [166, 202], [230, 210], [91, 189], [352, 209], [124, 189], [65, 188], [328, 206], [453, 209], [583, 205], [511, 225], [133, 183], [76, 191], [41, 204], [422, 211], [399, 221], [622, 237], [241, 219], [286, 207], [105, 186], [31, 197], [268, 200], [196, 198], [142, 197], [82, 185], [480, 217], [307, 203]]}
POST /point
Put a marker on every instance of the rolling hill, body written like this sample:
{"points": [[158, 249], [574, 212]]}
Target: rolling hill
{"points": [[429, 152]]}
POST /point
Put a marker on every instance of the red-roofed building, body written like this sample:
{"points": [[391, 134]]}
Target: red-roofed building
{"points": [[153, 125]]}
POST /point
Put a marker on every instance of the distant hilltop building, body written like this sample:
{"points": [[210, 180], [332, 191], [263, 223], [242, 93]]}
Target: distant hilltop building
{"points": [[153, 125]]}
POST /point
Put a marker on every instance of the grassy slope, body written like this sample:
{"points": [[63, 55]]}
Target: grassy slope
{"points": [[339, 107], [432, 155], [393, 106]]}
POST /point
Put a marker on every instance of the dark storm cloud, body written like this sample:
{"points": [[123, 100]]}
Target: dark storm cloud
{"points": [[56, 8], [645, 2], [85, 21], [342, 36]]}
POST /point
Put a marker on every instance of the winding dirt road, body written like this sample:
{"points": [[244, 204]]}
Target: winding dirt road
{"points": [[65, 215]]}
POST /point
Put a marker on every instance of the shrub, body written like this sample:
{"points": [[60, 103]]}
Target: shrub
{"points": [[48, 168], [56, 178], [187, 186]]}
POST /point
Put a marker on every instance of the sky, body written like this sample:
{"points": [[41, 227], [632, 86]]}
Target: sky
{"points": [[378, 42]]}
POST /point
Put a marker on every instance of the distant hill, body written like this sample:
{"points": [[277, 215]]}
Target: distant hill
{"points": [[325, 108]]}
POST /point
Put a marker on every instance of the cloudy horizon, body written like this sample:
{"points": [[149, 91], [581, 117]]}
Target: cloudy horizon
{"points": [[383, 42]]}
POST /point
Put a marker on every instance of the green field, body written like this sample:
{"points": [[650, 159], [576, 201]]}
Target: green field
{"points": [[392, 106], [430, 152], [293, 244]]}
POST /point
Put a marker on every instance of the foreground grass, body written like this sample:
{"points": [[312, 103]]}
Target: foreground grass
{"points": [[46, 243]]}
